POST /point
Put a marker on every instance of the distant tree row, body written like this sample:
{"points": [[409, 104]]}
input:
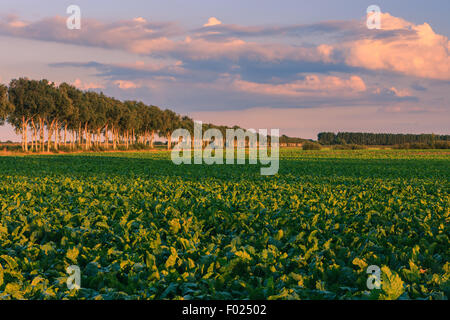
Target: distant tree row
{"points": [[76, 118], [380, 139], [285, 139]]}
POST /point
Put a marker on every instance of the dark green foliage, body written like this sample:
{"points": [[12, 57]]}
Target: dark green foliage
{"points": [[286, 139], [349, 147], [430, 145], [6, 108], [311, 146], [381, 139]]}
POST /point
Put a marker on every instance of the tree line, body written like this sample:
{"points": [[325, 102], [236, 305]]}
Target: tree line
{"points": [[83, 119], [380, 139], [285, 139]]}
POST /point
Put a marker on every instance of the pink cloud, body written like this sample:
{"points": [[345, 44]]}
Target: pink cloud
{"points": [[426, 54], [87, 85], [126, 85], [414, 50], [141, 37], [121, 34], [311, 85]]}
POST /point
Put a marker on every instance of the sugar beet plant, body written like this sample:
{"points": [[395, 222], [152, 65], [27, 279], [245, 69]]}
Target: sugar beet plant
{"points": [[140, 227]]}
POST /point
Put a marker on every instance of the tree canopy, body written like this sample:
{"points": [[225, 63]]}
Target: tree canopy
{"points": [[381, 139], [86, 118]]}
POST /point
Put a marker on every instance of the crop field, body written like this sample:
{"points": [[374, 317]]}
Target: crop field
{"points": [[140, 227]]}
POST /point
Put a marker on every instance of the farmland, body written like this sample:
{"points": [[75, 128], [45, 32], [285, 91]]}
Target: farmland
{"points": [[140, 227]]}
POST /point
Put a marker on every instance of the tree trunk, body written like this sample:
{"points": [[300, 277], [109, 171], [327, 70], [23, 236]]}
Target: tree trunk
{"points": [[34, 144], [169, 141], [86, 136], [113, 136], [88, 139], [41, 134], [106, 137], [50, 134], [98, 136], [80, 137], [23, 134], [56, 135], [152, 139]]}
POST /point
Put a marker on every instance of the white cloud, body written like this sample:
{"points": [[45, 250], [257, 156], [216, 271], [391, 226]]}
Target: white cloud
{"points": [[213, 21], [140, 20]]}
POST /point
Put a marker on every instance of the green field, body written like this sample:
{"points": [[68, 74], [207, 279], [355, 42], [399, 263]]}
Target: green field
{"points": [[140, 227]]}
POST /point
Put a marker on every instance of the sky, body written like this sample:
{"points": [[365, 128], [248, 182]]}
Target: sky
{"points": [[299, 66]]}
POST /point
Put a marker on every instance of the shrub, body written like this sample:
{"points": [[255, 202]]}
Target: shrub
{"points": [[65, 148], [139, 146], [98, 148], [349, 147], [11, 147], [421, 145], [442, 145], [340, 147], [311, 146]]}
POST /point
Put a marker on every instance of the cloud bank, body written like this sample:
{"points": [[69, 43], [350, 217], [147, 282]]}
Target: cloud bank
{"points": [[402, 68]]}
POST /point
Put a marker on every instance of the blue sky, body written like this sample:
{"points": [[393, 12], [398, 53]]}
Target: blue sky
{"points": [[300, 66]]}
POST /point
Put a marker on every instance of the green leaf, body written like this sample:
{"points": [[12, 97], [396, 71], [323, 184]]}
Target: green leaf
{"points": [[175, 225], [243, 255], [391, 284], [150, 260], [72, 254], [360, 263], [279, 235], [1, 275], [170, 262]]}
